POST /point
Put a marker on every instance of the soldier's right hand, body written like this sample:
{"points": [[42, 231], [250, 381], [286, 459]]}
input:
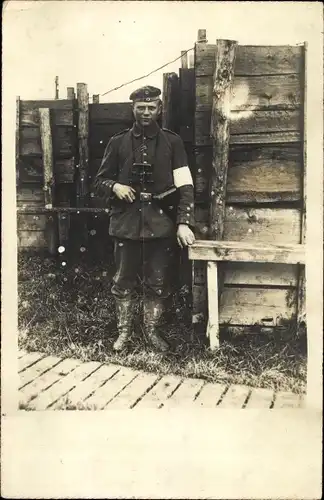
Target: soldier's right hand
{"points": [[124, 192]]}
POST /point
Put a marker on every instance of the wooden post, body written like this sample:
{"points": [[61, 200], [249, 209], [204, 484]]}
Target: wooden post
{"points": [[95, 98], [83, 159], [56, 87], [170, 101], [49, 182], [213, 308], [17, 140], [70, 93], [184, 59], [223, 75], [301, 304], [202, 36], [191, 60]]}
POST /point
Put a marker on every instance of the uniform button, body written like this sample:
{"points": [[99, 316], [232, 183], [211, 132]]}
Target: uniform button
{"points": [[149, 203], [139, 209], [144, 154], [161, 211], [188, 208], [144, 161]]}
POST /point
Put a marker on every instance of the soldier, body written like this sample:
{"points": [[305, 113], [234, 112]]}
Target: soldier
{"points": [[145, 178]]}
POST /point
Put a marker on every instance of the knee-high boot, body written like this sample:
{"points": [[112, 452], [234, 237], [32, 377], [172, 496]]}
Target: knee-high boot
{"points": [[125, 314], [153, 309]]}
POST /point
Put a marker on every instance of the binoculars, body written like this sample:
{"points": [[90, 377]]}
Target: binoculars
{"points": [[142, 173]]}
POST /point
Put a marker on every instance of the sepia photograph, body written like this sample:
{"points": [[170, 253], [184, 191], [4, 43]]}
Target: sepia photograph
{"points": [[161, 215]]}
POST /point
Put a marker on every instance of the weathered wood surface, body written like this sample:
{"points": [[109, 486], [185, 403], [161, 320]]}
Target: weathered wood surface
{"points": [[251, 273], [185, 394], [264, 92], [63, 141], [170, 101], [163, 390], [301, 305], [49, 180], [31, 170], [62, 111], [95, 98], [134, 392], [219, 131], [119, 112], [253, 60], [283, 137], [83, 134], [210, 395], [239, 251], [260, 398], [47, 155], [212, 332], [17, 145], [257, 174], [112, 387], [184, 59], [43, 382], [31, 196], [266, 225], [187, 104], [251, 124], [89, 385], [257, 306], [28, 360], [235, 396], [187, 80], [70, 93], [27, 222], [42, 364], [47, 382], [284, 399]]}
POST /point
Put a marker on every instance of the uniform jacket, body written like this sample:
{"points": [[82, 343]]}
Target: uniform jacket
{"points": [[164, 150]]}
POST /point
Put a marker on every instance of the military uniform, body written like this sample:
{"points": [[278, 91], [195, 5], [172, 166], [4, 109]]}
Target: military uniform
{"points": [[153, 162]]}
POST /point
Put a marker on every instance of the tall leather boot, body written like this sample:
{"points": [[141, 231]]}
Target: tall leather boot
{"points": [[125, 314], [153, 309]]}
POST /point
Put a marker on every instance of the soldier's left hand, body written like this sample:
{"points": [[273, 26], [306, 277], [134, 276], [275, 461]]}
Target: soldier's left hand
{"points": [[185, 236]]}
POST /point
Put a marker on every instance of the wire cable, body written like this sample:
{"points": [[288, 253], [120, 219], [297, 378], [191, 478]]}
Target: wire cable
{"points": [[148, 74]]}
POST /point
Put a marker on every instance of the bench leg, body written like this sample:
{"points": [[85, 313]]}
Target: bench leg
{"points": [[213, 316]]}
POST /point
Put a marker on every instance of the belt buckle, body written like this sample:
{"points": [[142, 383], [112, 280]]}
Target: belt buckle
{"points": [[145, 196]]}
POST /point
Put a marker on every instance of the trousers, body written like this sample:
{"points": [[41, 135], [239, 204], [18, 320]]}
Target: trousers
{"points": [[148, 265]]}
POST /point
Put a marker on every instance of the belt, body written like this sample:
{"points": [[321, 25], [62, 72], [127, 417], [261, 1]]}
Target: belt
{"points": [[144, 196]]}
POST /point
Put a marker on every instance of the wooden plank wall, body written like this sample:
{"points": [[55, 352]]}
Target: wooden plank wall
{"points": [[264, 185], [30, 175]]}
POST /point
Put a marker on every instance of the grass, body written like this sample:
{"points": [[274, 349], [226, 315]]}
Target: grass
{"points": [[69, 312]]}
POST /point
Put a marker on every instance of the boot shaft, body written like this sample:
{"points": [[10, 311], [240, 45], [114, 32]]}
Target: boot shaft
{"points": [[153, 309], [125, 309]]}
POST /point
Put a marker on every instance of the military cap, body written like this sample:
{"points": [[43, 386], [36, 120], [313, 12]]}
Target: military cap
{"points": [[147, 93]]}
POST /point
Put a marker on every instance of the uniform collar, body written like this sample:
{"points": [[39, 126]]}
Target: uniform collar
{"points": [[150, 131]]}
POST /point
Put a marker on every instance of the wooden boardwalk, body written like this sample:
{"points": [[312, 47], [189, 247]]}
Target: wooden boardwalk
{"points": [[48, 382]]}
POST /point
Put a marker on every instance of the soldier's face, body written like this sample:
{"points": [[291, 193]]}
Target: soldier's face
{"points": [[146, 112]]}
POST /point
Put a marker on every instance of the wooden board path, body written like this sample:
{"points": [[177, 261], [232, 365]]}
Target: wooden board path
{"points": [[48, 382]]}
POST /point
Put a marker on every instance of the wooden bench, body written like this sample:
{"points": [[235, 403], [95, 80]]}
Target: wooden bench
{"points": [[236, 251]]}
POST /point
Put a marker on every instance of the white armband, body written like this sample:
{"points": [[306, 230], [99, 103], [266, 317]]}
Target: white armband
{"points": [[182, 177]]}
